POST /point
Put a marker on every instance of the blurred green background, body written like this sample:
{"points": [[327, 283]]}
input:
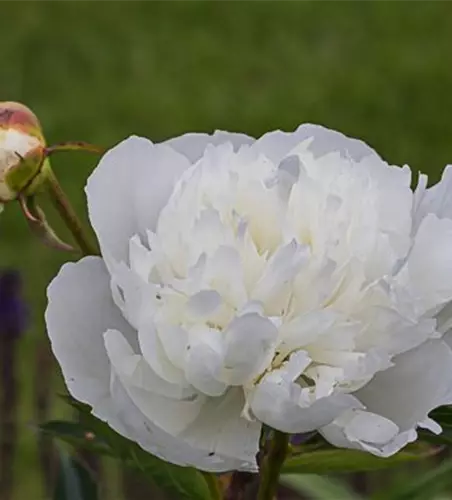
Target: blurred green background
{"points": [[99, 71]]}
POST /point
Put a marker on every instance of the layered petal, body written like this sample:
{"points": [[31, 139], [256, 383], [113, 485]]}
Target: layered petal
{"points": [[221, 429], [366, 431], [133, 424], [397, 401], [127, 190], [434, 200], [276, 145], [193, 145], [213, 425], [79, 311], [425, 281], [279, 401]]}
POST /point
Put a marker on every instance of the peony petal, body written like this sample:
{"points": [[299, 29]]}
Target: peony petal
{"points": [[204, 303], [203, 361], [436, 199], [134, 370], [280, 270], [249, 341], [79, 311], [222, 430], [276, 145], [127, 190], [171, 415], [419, 381], [227, 440], [278, 401], [154, 354], [154, 184], [398, 398], [133, 424], [362, 430], [193, 145], [174, 340], [427, 273]]}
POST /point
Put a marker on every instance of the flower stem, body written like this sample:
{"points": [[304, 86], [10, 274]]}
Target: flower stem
{"points": [[271, 465], [213, 485], [68, 214]]}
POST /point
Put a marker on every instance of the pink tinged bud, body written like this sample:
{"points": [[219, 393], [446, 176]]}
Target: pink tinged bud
{"points": [[22, 150]]}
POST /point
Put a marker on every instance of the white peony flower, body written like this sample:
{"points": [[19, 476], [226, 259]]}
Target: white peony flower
{"points": [[294, 280]]}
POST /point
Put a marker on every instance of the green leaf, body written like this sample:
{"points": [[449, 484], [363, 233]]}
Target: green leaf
{"points": [[74, 482], [337, 460], [442, 415], [317, 487], [186, 482], [426, 486], [77, 435]]}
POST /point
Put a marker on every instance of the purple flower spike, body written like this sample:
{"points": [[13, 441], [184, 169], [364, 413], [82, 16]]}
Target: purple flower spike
{"points": [[299, 439], [14, 313]]}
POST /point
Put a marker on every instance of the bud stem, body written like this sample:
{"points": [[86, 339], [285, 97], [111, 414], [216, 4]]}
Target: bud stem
{"points": [[69, 216], [73, 146], [271, 466]]}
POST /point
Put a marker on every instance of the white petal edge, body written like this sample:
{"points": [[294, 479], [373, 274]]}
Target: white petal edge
{"points": [[277, 400], [276, 145], [193, 145], [132, 423], [80, 309], [127, 190], [399, 398], [213, 425]]}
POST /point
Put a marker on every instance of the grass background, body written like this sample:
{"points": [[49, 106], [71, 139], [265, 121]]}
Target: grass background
{"points": [[99, 71]]}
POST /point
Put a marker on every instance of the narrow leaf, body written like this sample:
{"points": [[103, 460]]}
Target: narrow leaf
{"points": [[76, 435], [317, 487], [426, 486], [186, 482], [337, 460]]}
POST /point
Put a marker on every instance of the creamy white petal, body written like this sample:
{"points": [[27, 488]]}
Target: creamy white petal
{"points": [[79, 311], [127, 190], [204, 361], [397, 401], [426, 278], [436, 199], [154, 353], [193, 145], [222, 430], [366, 431], [281, 403], [204, 303], [276, 145], [170, 414], [248, 342], [132, 423], [213, 425], [135, 371], [419, 381], [281, 269], [174, 341]]}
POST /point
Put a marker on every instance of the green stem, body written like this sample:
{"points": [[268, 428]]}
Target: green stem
{"points": [[271, 465], [213, 485], [68, 214]]}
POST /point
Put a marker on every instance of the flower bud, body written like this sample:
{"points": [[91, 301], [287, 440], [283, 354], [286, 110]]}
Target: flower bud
{"points": [[21, 149]]}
